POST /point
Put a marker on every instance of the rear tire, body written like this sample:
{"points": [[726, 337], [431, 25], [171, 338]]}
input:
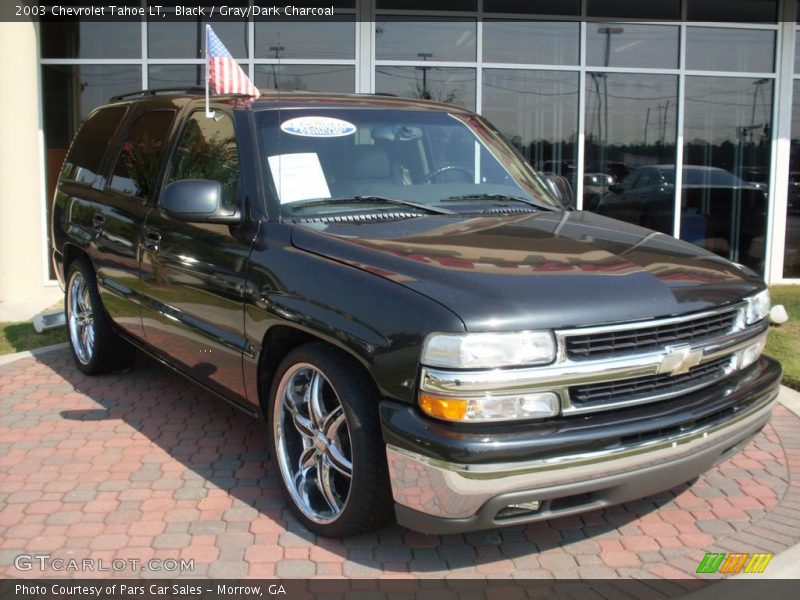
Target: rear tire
{"points": [[327, 443], [95, 345]]}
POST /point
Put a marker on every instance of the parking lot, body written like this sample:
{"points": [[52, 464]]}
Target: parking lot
{"points": [[143, 465]]}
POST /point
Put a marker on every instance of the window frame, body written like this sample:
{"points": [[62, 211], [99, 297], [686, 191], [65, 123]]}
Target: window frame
{"points": [[185, 118]]}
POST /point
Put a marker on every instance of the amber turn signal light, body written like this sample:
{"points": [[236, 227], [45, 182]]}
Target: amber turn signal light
{"points": [[451, 409]]}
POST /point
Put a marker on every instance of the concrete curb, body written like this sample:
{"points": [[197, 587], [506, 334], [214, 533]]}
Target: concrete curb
{"points": [[790, 399], [10, 358]]}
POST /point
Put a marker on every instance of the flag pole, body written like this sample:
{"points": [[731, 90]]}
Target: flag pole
{"points": [[209, 114]]}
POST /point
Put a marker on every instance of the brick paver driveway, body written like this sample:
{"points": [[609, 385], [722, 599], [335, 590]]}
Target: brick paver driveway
{"points": [[142, 464]]}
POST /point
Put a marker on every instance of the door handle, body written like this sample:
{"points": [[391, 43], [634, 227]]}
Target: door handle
{"points": [[152, 239], [98, 222]]}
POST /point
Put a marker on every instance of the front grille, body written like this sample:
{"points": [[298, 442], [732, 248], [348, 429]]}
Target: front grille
{"points": [[625, 390], [616, 343]]}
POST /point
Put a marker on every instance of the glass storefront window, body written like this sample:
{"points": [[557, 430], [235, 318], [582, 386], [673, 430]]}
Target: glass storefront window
{"points": [[727, 49], [306, 39], [534, 7], [465, 5], [728, 122], [631, 137], [791, 251], [634, 9], [630, 45], [90, 39], [797, 53], [442, 84], [537, 111], [630, 124], [742, 11], [166, 76], [185, 39], [314, 78], [425, 39], [533, 42]]}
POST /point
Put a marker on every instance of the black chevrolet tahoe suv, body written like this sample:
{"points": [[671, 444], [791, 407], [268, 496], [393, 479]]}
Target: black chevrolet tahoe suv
{"points": [[425, 327]]}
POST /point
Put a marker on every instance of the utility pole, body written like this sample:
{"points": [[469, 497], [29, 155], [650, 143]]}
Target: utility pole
{"points": [[424, 56], [608, 32], [277, 50]]}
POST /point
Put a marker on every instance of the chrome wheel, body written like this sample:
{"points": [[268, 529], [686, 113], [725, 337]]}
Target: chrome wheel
{"points": [[312, 443], [80, 318]]}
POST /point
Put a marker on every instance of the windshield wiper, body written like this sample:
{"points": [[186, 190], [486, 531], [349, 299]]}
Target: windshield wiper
{"points": [[376, 200], [497, 198]]}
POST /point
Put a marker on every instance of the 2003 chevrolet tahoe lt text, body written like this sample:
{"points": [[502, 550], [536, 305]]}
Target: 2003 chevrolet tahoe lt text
{"points": [[417, 317]]}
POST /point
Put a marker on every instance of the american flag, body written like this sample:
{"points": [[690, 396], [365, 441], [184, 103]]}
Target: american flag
{"points": [[224, 74]]}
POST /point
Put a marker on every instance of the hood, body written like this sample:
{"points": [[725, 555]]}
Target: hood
{"points": [[535, 270]]}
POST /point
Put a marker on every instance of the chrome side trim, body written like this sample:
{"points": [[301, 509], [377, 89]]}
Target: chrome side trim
{"points": [[452, 490]]}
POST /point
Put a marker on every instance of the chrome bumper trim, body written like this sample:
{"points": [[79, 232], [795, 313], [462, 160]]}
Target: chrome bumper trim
{"points": [[453, 491]]}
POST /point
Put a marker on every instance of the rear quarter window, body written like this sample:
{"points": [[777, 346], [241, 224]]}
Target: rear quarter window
{"points": [[91, 144]]}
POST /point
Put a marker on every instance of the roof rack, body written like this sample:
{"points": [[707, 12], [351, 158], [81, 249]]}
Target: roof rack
{"points": [[154, 91]]}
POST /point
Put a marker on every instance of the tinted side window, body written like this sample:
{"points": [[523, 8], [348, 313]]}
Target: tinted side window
{"points": [[86, 154], [207, 150], [139, 160]]}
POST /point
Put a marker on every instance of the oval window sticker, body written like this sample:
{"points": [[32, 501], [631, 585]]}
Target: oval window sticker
{"points": [[324, 127]]}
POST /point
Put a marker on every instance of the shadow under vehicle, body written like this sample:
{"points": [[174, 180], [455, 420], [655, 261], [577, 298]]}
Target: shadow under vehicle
{"points": [[719, 211]]}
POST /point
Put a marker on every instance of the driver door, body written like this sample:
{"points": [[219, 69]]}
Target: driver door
{"points": [[193, 274]]}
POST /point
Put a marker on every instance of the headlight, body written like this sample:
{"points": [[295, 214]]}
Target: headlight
{"points": [[489, 350], [531, 405], [757, 307]]}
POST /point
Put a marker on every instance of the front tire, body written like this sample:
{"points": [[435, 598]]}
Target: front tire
{"points": [[95, 345], [327, 442]]}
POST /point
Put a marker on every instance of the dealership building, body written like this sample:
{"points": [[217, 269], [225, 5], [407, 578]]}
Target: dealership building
{"points": [[679, 115]]}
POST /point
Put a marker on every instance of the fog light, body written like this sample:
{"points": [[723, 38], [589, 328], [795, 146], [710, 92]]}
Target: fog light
{"points": [[750, 354], [534, 505], [518, 510]]}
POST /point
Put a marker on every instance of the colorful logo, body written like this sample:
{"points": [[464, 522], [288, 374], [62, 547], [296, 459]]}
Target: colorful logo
{"points": [[735, 562]]}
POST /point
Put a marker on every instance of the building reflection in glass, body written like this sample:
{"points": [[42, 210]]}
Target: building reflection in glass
{"points": [[630, 123], [791, 252], [728, 124], [537, 111]]}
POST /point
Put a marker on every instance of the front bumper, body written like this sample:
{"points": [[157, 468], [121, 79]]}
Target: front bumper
{"points": [[447, 479]]}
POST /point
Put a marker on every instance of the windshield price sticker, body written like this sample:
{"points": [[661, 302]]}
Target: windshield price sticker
{"points": [[318, 127]]}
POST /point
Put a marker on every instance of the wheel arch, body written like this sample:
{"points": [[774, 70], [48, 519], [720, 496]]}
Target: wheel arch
{"points": [[73, 252], [278, 342]]}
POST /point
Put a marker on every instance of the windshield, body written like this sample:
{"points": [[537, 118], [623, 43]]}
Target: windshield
{"points": [[427, 157]]}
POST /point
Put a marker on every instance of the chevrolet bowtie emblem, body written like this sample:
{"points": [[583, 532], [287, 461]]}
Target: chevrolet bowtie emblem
{"points": [[679, 359]]}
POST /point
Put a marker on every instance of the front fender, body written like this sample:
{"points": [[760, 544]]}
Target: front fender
{"points": [[380, 323]]}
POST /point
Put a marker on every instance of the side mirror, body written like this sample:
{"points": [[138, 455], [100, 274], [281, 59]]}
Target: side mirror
{"points": [[617, 188], [197, 201], [560, 188]]}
